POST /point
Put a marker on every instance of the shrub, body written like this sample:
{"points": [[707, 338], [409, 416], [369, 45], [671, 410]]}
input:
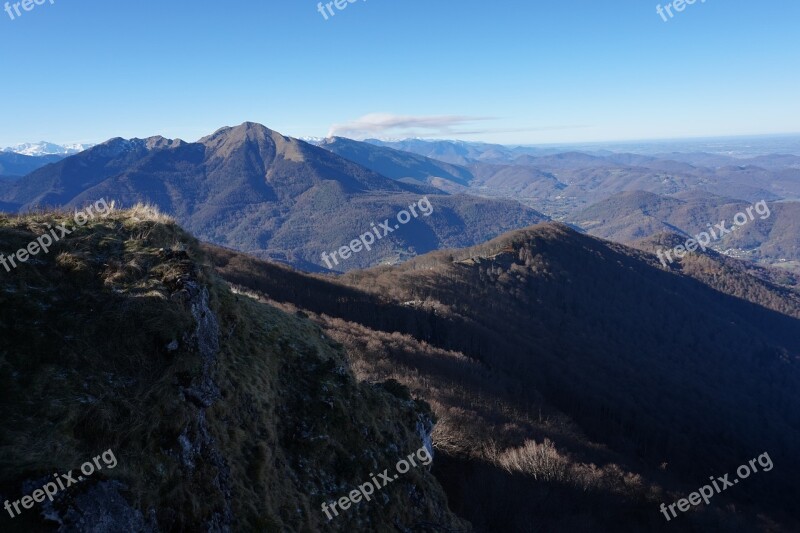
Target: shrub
{"points": [[541, 461]]}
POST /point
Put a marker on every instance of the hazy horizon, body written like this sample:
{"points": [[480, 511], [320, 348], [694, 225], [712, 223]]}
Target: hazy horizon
{"points": [[538, 74], [733, 145]]}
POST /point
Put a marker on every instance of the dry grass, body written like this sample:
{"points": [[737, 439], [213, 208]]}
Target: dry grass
{"points": [[144, 212]]}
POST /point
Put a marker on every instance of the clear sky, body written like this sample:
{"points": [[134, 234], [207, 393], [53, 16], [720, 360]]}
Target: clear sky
{"points": [[510, 71]]}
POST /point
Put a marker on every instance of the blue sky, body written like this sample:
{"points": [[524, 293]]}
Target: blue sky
{"points": [[510, 71]]}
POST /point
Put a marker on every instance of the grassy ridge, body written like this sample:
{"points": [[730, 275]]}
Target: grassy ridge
{"points": [[223, 412]]}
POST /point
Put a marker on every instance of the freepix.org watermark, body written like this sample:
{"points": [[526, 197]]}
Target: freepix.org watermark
{"points": [[719, 484], [62, 482], [366, 490], [677, 5], [27, 5], [366, 240], [702, 240], [340, 5], [46, 240]]}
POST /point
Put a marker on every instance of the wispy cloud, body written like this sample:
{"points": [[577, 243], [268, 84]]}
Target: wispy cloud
{"points": [[405, 126], [390, 125]]}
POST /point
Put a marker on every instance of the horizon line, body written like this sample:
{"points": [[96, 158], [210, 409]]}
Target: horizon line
{"points": [[653, 140]]}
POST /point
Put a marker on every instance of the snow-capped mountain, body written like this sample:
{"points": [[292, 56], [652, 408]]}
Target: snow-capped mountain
{"points": [[45, 148]]}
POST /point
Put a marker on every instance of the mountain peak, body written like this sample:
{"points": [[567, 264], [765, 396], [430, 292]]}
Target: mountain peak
{"points": [[243, 130], [116, 146], [228, 140]]}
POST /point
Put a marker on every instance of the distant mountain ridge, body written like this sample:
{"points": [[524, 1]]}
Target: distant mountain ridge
{"points": [[14, 165], [400, 165], [561, 179], [454, 152], [255, 190], [633, 215], [44, 148]]}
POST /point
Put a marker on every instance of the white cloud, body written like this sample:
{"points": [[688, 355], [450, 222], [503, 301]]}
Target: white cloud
{"points": [[389, 125]]}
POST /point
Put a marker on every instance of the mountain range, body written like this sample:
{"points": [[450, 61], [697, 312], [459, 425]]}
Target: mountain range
{"points": [[579, 178], [257, 191], [44, 148], [295, 201], [772, 238], [13, 166], [22, 159], [619, 196]]}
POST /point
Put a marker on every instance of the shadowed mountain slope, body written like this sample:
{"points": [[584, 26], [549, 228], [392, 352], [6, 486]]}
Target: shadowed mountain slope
{"points": [[400, 165], [16, 165], [632, 368]]}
